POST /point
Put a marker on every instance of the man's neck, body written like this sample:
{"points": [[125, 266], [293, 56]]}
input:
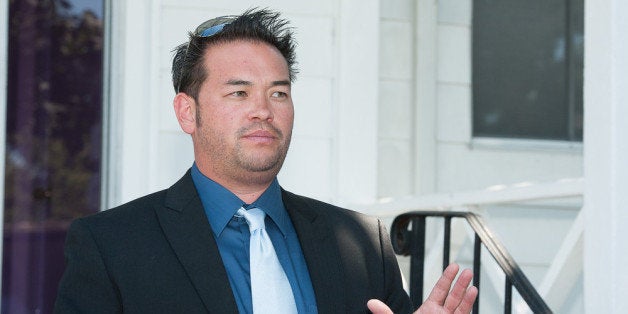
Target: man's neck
{"points": [[248, 196], [248, 188]]}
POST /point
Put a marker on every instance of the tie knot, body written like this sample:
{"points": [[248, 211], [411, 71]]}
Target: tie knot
{"points": [[254, 217]]}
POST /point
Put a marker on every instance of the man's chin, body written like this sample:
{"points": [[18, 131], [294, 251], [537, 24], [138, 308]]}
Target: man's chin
{"points": [[262, 168], [259, 177], [268, 168], [262, 161]]}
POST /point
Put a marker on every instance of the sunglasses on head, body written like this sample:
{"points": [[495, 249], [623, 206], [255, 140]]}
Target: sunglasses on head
{"points": [[206, 29]]}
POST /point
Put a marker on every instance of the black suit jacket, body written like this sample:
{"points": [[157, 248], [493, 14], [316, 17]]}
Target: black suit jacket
{"points": [[157, 254]]}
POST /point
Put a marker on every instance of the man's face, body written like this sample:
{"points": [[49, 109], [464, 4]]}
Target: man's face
{"points": [[244, 112]]}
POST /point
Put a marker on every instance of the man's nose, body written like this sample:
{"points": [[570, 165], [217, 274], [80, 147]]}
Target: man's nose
{"points": [[261, 109]]}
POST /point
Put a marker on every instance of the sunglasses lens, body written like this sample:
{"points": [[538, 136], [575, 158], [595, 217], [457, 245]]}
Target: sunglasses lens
{"points": [[212, 30], [213, 26]]}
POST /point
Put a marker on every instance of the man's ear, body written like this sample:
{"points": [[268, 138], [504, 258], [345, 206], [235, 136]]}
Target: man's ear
{"points": [[185, 110]]}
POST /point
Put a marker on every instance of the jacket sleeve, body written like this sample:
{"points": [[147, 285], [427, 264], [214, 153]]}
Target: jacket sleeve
{"points": [[397, 298], [85, 286]]}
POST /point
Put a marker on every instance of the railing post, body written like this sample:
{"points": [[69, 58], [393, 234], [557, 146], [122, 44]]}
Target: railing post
{"points": [[508, 297], [477, 250], [417, 260], [447, 242]]}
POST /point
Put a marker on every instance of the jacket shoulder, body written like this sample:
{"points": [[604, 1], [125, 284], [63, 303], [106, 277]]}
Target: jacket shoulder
{"points": [[142, 209], [132, 208], [309, 206]]}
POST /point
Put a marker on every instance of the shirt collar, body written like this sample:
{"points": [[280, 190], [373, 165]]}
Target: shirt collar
{"points": [[221, 204]]}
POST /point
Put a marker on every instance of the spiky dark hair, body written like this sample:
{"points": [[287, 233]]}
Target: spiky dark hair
{"points": [[254, 24]]}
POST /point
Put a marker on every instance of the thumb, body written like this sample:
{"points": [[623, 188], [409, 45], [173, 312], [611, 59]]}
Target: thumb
{"points": [[378, 307]]}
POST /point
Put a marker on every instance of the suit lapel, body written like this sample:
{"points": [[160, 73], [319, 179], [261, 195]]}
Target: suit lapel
{"points": [[320, 251], [185, 225]]}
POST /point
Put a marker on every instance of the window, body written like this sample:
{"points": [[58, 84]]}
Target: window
{"points": [[527, 69], [53, 141]]}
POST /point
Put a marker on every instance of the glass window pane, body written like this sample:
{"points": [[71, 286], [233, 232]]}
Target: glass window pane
{"points": [[527, 69], [53, 147]]}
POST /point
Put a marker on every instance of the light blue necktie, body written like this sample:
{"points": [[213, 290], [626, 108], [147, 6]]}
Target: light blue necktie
{"points": [[270, 287]]}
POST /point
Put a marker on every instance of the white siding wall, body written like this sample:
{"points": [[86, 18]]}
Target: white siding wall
{"points": [[396, 99]]}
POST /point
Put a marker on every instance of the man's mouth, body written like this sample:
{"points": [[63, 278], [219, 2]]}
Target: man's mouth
{"points": [[260, 136]]}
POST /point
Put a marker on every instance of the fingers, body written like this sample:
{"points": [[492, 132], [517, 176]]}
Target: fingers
{"points": [[441, 289], [378, 307], [461, 297], [457, 294], [467, 301]]}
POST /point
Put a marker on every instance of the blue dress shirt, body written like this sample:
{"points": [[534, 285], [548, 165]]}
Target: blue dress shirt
{"points": [[232, 236]]}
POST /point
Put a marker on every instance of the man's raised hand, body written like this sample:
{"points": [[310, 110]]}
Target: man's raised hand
{"points": [[458, 300]]}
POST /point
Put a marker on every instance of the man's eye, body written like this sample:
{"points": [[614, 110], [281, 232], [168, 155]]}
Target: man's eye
{"points": [[279, 95], [239, 94]]}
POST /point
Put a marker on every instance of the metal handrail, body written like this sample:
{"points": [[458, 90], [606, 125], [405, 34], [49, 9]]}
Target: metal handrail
{"points": [[412, 242]]}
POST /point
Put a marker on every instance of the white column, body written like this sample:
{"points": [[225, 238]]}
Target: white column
{"points": [[606, 156], [357, 105], [131, 95]]}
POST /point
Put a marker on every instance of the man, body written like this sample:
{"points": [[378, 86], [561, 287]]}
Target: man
{"points": [[190, 248]]}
